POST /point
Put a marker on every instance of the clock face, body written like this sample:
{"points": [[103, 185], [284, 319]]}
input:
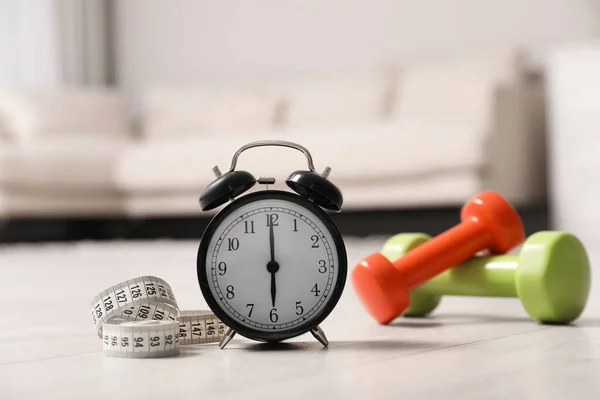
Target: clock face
{"points": [[272, 265]]}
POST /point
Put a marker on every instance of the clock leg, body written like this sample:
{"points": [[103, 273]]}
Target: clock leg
{"points": [[227, 336], [318, 333]]}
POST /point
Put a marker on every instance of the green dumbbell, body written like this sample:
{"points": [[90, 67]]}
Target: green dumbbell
{"points": [[551, 276]]}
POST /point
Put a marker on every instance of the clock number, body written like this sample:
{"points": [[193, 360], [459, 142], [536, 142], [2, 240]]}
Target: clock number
{"points": [[230, 295], [273, 315], [295, 225], [222, 268], [251, 307], [234, 244], [272, 219], [322, 267], [249, 227], [315, 290], [299, 309], [315, 240]]}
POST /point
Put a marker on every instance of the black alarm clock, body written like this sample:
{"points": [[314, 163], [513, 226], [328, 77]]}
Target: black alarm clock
{"points": [[271, 264]]}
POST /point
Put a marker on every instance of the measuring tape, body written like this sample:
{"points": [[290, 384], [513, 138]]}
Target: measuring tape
{"points": [[139, 318]]}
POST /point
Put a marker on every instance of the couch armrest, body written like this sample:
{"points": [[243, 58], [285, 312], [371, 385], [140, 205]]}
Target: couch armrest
{"points": [[516, 149]]}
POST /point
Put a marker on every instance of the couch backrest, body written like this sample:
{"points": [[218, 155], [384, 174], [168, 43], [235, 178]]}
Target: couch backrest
{"points": [[340, 99], [309, 101], [457, 91], [171, 110], [460, 91]]}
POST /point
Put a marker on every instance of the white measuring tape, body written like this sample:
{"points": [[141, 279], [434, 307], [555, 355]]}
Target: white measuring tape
{"points": [[139, 318]]}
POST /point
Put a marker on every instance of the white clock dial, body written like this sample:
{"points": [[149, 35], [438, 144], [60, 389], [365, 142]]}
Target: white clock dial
{"points": [[266, 291]]}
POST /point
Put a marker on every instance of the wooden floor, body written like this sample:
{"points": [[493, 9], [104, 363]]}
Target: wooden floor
{"points": [[471, 349]]}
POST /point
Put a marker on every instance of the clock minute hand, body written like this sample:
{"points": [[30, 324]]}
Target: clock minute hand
{"points": [[272, 241]]}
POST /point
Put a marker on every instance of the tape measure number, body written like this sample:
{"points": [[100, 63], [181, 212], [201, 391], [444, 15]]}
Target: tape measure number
{"points": [[140, 318], [139, 339]]}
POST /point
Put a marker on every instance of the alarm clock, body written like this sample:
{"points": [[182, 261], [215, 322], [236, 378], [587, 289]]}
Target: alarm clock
{"points": [[271, 264]]}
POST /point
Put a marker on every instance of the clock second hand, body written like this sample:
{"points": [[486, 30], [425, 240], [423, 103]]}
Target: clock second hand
{"points": [[272, 266]]}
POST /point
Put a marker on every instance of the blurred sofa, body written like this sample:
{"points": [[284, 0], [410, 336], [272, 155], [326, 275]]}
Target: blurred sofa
{"points": [[424, 135]]}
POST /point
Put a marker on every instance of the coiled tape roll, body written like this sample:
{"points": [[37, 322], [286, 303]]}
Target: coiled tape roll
{"points": [[140, 318]]}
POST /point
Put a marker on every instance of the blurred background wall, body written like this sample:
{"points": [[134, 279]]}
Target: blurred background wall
{"points": [[138, 42], [29, 52], [110, 109], [185, 41]]}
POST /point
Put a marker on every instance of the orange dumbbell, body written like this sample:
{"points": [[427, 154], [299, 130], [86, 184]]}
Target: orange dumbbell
{"points": [[489, 222]]}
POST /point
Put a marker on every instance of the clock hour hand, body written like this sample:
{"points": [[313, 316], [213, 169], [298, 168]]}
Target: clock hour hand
{"points": [[273, 288], [272, 266]]}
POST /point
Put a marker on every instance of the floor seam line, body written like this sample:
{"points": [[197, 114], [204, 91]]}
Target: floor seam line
{"points": [[458, 345], [46, 358]]}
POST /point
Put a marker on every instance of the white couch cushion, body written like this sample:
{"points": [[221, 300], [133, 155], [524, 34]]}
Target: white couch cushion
{"points": [[336, 99], [66, 164], [457, 91], [170, 110], [393, 150]]}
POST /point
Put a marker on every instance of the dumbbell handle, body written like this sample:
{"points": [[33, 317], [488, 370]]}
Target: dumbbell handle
{"points": [[489, 276], [449, 248]]}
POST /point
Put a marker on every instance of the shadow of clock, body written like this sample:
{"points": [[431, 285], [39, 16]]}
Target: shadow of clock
{"points": [[381, 344], [283, 346]]}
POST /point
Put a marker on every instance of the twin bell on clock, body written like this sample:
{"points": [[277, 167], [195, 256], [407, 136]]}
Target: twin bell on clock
{"points": [[271, 264]]}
